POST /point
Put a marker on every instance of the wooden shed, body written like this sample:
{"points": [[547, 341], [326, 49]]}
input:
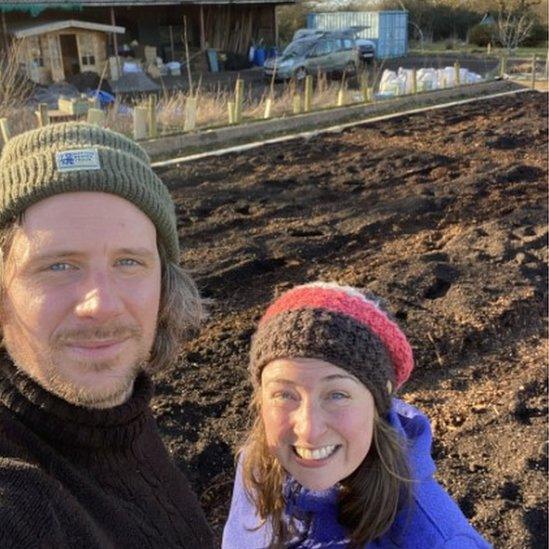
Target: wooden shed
{"points": [[56, 50]]}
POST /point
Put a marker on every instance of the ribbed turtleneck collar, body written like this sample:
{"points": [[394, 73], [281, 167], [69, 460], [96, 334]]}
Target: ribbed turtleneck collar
{"points": [[69, 425]]}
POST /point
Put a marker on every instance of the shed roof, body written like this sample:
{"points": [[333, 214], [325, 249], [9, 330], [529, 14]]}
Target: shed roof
{"points": [[42, 28], [15, 5]]}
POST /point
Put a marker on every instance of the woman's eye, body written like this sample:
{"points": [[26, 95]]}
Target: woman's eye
{"points": [[283, 395]]}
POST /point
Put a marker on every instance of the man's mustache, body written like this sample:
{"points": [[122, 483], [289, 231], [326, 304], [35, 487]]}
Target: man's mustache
{"points": [[97, 333]]}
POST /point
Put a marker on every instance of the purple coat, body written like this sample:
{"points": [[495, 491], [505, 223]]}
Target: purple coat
{"points": [[433, 520]]}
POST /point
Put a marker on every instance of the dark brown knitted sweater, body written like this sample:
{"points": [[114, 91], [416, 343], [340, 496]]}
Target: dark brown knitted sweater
{"points": [[75, 477]]}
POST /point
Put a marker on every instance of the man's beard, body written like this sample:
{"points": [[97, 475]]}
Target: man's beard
{"points": [[54, 380]]}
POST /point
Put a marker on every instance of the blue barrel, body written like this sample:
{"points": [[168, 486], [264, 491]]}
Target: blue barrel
{"points": [[259, 56]]}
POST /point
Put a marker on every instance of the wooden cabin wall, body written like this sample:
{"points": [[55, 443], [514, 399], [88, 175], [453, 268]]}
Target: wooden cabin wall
{"points": [[100, 49], [31, 54]]}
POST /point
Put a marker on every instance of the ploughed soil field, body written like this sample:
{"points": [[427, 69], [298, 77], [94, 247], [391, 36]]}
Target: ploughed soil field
{"points": [[444, 215]]}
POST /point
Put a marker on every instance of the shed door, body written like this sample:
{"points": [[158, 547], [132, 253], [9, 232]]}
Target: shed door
{"points": [[56, 61], [69, 50], [86, 51]]}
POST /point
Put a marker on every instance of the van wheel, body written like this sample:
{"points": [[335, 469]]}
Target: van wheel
{"points": [[300, 73]]}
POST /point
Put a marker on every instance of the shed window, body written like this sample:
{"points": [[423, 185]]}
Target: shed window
{"points": [[35, 52], [85, 47]]}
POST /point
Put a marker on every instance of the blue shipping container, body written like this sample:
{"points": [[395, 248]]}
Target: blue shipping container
{"points": [[388, 29]]}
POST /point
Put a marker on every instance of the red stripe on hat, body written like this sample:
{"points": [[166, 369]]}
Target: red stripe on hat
{"points": [[364, 311]]}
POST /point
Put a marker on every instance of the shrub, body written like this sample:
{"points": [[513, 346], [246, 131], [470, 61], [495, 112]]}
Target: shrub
{"points": [[537, 36], [291, 18], [482, 35]]}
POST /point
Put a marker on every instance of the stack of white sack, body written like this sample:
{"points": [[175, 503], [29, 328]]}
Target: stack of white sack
{"points": [[401, 82]]}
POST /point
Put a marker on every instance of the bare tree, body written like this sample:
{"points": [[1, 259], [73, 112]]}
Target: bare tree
{"points": [[514, 22]]}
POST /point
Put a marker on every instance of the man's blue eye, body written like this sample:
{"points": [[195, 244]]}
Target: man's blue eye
{"points": [[127, 262], [337, 395], [59, 267]]}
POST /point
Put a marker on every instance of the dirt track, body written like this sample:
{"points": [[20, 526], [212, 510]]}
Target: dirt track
{"points": [[443, 214]]}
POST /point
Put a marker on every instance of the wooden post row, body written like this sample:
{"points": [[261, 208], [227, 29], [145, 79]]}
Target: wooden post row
{"points": [[191, 106], [5, 130], [96, 116], [43, 115], [502, 66], [140, 122], [308, 93], [239, 100], [268, 107], [231, 111], [364, 86], [153, 129], [296, 103], [341, 97]]}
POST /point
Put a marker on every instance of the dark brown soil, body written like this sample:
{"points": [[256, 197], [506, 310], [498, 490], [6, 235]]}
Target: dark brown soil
{"points": [[443, 214]]}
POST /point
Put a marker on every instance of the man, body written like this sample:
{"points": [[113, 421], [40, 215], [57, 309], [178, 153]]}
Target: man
{"points": [[92, 301]]}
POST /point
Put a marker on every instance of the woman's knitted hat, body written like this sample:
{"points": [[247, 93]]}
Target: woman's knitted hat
{"points": [[72, 157], [341, 325]]}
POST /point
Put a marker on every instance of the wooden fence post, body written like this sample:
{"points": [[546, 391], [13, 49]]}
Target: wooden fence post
{"points": [[296, 103], [231, 108], [534, 71], [153, 129], [268, 107], [239, 100], [489, 48], [364, 86], [457, 74], [414, 81], [96, 116], [308, 93], [140, 115], [190, 114], [5, 129], [341, 97], [42, 114], [502, 65]]}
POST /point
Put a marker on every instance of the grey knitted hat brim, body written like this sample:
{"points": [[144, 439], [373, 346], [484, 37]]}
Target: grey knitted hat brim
{"points": [[68, 135], [29, 173], [329, 336]]}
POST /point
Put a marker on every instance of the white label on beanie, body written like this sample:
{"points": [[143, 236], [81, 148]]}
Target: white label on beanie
{"points": [[77, 160]]}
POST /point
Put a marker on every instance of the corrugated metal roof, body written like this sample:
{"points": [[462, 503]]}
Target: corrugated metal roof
{"points": [[44, 4]]}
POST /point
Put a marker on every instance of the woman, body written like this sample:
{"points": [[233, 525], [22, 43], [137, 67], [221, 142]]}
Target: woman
{"points": [[333, 458]]}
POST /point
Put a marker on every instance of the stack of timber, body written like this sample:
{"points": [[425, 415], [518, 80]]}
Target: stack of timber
{"points": [[229, 30]]}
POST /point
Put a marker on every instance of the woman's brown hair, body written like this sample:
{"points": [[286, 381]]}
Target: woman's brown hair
{"points": [[370, 497]]}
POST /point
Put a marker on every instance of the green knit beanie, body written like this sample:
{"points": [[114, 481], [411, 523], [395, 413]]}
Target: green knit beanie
{"points": [[72, 157]]}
